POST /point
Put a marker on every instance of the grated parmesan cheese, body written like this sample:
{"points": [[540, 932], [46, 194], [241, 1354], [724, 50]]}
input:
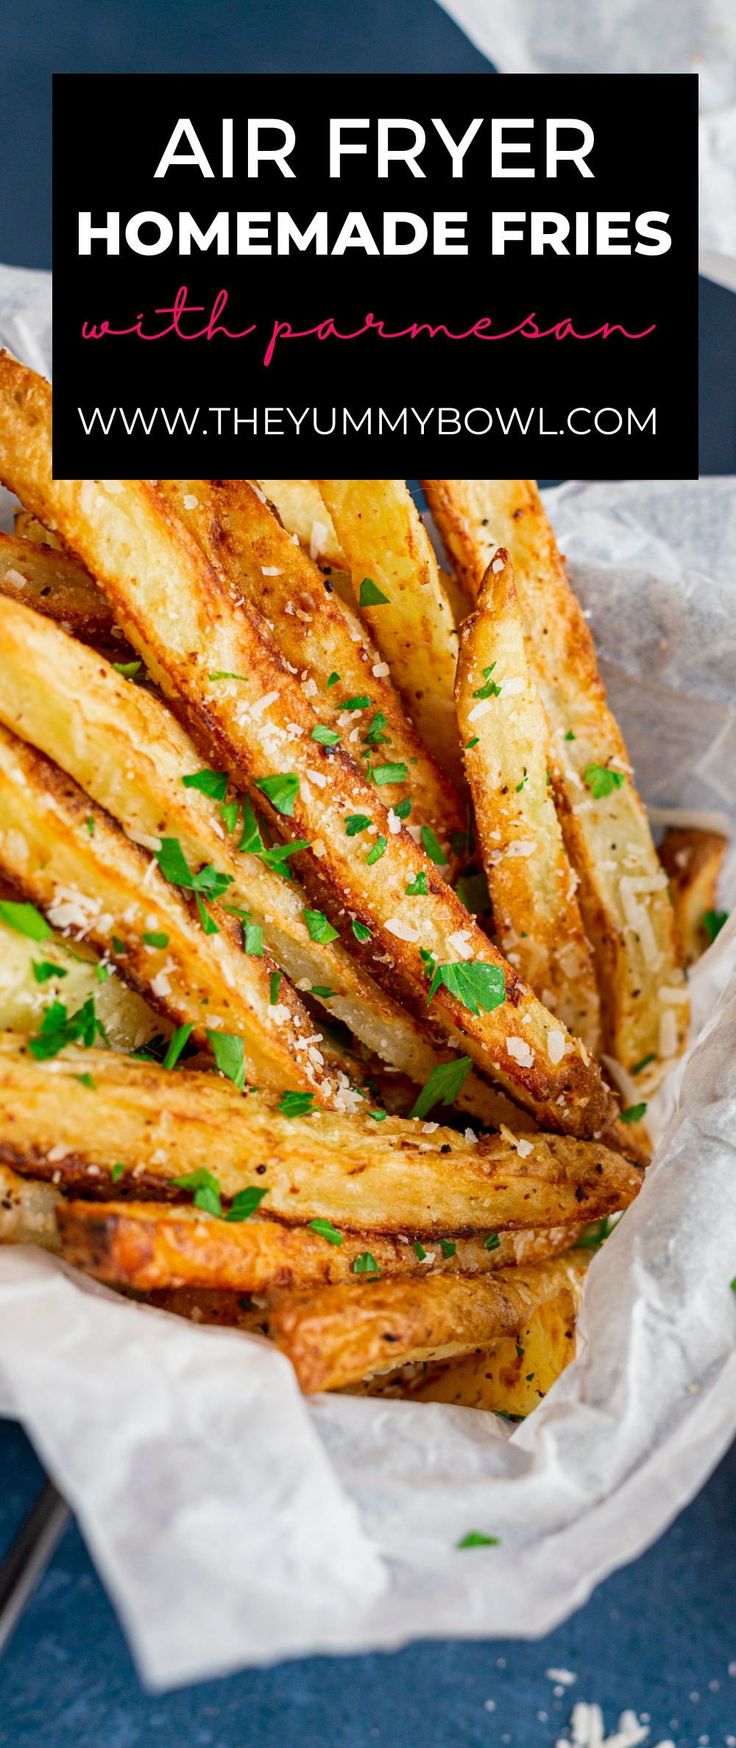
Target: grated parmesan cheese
{"points": [[520, 1051], [402, 930]]}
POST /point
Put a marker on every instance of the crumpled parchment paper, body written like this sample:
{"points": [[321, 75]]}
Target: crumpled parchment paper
{"points": [[236, 1523], [634, 36]]}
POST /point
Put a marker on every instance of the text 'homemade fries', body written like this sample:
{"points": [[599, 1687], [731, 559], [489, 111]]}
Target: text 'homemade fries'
{"points": [[330, 918]]}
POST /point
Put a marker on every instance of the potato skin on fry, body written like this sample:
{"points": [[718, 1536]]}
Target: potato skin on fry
{"points": [[536, 916], [337, 1335], [692, 861], [28, 1211], [179, 613], [43, 577], [623, 896], [146, 1245], [390, 1177]]}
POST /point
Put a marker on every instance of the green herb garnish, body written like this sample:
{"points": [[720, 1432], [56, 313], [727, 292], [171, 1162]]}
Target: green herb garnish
{"points": [[480, 987], [432, 847], [212, 783], [325, 736], [396, 773], [43, 969], [25, 919], [443, 1086], [356, 822], [326, 1230], [365, 1264], [295, 1104], [379, 849], [601, 780], [361, 931], [229, 1055], [370, 595], [319, 927], [281, 791]]}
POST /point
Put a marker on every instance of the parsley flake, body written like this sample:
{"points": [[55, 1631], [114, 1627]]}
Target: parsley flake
{"points": [[403, 808], [361, 931], [418, 887], [319, 927], [281, 791], [432, 847], [601, 780], [43, 969], [713, 922], [177, 1041], [443, 1086], [356, 822], [128, 669], [361, 701], [212, 783], [25, 919], [379, 849], [326, 737], [229, 1054], [633, 1113], [645, 1061], [366, 1264], [59, 1028], [447, 1247], [253, 940], [326, 1230], [116, 1173], [396, 773], [206, 1193], [479, 986], [295, 1104], [244, 1204], [420, 1252], [491, 689], [333, 679], [370, 594], [491, 1241], [155, 938], [476, 1539]]}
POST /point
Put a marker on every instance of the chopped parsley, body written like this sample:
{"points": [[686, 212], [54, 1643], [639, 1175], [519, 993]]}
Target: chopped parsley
{"points": [[361, 931], [116, 1173], [356, 822], [177, 1041], [645, 1061], [443, 1086], [43, 969], [319, 927], [523, 783], [428, 961], [295, 1104], [379, 849], [432, 847], [326, 1230], [222, 674], [594, 1235], [375, 732], [86, 1080], [602, 781], [245, 1203], [491, 689], [473, 742], [633, 1113], [274, 985], [128, 669], [713, 922], [361, 701], [175, 868], [324, 735], [281, 791], [207, 920], [206, 1193], [155, 938], [229, 1055], [277, 857], [396, 773], [378, 1116], [447, 1247], [366, 1264], [478, 986], [321, 989], [491, 1241], [212, 783], [403, 807], [472, 891], [90, 824], [333, 679], [59, 1028], [476, 1539], [420, 1252], [570, 735], [25, 919], [370, 594], [229, 814], [418, 887], [253, 940]]}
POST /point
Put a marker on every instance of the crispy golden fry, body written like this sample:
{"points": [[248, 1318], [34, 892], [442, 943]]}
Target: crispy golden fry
{"points": [[25, 992], [90, 881], [143, 1245], [335, 1336], [692, 861], [28, 1211], [54, 584], [536, 917], [392, 1177], [178, 612], [27, 527], [126, 750], [300, 506], [384, 540], [320, 637], [213, 1305], [623, 894], [515, 1374]]}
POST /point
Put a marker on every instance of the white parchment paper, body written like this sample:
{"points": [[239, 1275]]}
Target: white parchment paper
{"points": [[634, 36], [235, 1522]]}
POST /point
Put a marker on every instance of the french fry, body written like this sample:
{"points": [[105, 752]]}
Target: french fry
{"points": [[386, 544], [72, 861], [623, 894], [692, 861], [44, 578], [146, 1245], [516, 1373], [127, 751], [321, 638], [334, 1336], [391, 1177], [536, 917], [28, 984], [301, 509], [178, 612], [28, 1211]]}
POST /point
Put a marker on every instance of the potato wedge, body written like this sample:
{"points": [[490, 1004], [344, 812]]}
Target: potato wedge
{"points": [[692, 861], [126, 750], [90, 882], [178, 612], [397, 1176], [384, 541], [320, 638], [536, 916], [56, 585], [143, 1245], [301, 508], [27, 527], [27, 985], [515, 1374], [623, 896], [28, 1211], [334, 1336]]}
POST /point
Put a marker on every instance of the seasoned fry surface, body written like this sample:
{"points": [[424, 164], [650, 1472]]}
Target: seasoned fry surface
{"points": [[692, 861]]}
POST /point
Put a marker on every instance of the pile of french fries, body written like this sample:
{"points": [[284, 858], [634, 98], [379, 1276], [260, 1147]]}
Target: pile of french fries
{"points": [[338, 964]]}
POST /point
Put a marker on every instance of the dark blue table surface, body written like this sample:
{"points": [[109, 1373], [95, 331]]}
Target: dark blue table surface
{"points": [[659, 1637]]}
